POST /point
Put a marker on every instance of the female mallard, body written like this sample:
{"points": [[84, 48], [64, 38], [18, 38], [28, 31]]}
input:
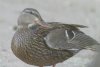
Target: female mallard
{"points": [[43, 44]]}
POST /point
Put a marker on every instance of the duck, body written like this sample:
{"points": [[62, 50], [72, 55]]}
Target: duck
{"points": [[41, 43]]}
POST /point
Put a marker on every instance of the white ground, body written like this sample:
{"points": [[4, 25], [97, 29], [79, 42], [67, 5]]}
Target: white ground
{"points": [[85, 12]]}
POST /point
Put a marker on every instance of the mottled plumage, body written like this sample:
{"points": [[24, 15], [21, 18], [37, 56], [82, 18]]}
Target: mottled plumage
{"points": [[43, 44]]}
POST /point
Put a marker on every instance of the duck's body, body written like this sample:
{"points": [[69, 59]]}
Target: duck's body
{"points": [[45, 44], [29, 45]]}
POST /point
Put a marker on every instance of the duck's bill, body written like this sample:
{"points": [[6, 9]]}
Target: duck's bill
{"points": [[44, 24]]}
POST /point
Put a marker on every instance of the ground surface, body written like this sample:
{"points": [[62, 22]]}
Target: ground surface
{"points": [[85, 12]]}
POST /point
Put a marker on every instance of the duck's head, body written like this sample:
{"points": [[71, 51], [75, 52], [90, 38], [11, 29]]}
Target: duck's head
{"points": [[30, 16]]}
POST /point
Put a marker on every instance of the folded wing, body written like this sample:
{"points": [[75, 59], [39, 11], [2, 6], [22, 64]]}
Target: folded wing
{"points": [[68, 39]]}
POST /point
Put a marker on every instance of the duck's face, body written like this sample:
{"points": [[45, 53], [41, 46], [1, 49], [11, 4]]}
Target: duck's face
{"points": [[30, 16]]}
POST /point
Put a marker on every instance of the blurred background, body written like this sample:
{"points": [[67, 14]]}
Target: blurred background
{"points": [[85, 12]]}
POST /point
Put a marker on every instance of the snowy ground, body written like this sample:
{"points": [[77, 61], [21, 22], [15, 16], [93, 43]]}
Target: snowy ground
{"points": [[85, 12]]}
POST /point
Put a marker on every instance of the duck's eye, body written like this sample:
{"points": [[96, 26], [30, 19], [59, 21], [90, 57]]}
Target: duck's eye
{"points": [[31, 12]]}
